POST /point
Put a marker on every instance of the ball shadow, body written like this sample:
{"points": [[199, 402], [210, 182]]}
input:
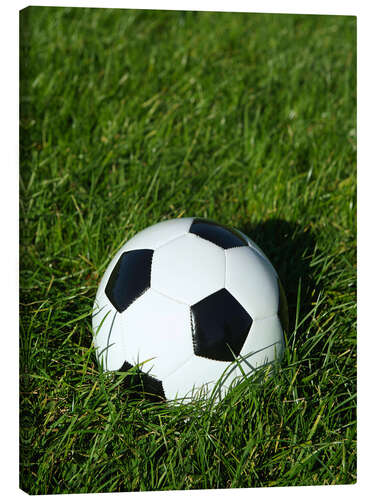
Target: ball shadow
{"points": [[289, 247]]}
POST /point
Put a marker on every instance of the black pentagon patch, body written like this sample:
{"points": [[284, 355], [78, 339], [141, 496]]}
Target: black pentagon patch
{"points": [[130, 277], [220, 326], [283, 308], [142, 382], [217, 234]]}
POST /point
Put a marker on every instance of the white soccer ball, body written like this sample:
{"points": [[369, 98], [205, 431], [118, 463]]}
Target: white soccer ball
{"points": [[186, 300]]}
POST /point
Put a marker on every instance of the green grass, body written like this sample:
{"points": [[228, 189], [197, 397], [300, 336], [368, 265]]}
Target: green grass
{"points": [[132, 117]]}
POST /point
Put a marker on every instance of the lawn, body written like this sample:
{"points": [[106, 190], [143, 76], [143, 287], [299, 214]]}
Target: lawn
{"points": [[132, 117]]}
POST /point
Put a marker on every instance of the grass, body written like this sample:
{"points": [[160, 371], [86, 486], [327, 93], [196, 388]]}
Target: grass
{"points": [[132, 117]]}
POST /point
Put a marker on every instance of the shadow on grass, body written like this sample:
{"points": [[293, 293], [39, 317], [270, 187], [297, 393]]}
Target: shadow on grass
{"points": [[289, 247]]}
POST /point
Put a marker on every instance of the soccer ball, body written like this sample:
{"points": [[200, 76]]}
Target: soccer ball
{"points": [[186, 301]]}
